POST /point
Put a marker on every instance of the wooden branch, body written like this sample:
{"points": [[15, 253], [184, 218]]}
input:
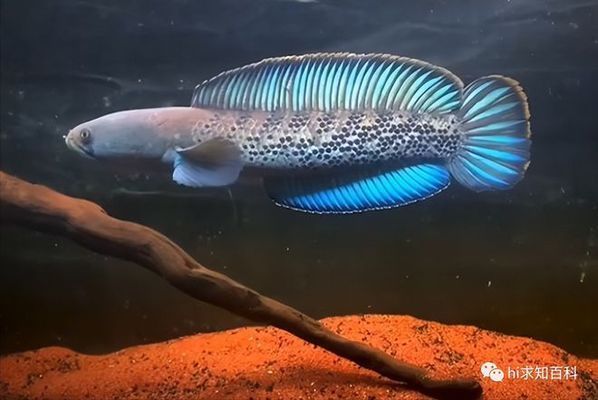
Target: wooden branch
{"points": [[86, 223]]}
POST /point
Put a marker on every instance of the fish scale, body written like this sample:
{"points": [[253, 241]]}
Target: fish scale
{"points": [[332, 139], [381, 130]]}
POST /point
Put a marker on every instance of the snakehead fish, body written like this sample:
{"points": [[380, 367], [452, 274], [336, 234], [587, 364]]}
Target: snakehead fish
{"points": [[330, 133]]}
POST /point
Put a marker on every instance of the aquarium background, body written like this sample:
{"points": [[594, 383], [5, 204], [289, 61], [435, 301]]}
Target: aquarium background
{"points": [[523, 262]]}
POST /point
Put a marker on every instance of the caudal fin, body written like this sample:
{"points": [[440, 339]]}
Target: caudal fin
{"points": [[495, 119]]}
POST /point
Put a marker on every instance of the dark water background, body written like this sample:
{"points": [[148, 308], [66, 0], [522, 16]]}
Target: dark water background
{"points": [[521, 262]]}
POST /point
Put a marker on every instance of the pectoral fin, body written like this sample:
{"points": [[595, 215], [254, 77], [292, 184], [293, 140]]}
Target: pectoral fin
{"points": [[216, 162]]}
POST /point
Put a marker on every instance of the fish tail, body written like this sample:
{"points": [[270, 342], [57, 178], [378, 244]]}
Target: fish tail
{"points": [[495, 152]]}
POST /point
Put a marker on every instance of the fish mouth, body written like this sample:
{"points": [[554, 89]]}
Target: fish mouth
{"points": [[75, 146]]}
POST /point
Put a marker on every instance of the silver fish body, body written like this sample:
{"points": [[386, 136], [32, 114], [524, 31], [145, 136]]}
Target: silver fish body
{"points": [[283, 140], [382, 131]]}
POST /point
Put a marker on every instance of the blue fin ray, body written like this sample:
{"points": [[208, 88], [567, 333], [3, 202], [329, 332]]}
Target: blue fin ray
{"points": [[363, 190], [335, 81], [495, 121]]}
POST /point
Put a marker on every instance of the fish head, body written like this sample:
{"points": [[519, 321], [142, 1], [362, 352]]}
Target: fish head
{"points": [[79, 139], [122, 135]]}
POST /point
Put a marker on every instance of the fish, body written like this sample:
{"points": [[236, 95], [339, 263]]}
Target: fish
{"points": [[329, 132]]}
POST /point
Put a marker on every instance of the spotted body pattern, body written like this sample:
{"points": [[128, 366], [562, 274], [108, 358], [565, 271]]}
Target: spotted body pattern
{"points": [[366, 112], [331, 139]]}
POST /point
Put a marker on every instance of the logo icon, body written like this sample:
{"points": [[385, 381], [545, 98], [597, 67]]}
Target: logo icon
{"points": [[491, 370]]}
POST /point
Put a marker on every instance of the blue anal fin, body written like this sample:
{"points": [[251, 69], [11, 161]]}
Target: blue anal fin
{"points": [[358, 191]]}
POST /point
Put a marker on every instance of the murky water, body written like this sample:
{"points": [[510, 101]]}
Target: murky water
{"points": [[523, 261]]}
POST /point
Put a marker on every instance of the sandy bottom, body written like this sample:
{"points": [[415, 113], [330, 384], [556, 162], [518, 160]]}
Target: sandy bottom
{"points": [[266, 363]]}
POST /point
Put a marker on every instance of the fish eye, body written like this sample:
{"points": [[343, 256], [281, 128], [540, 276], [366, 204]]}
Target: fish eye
{"points": [[85, 135]]}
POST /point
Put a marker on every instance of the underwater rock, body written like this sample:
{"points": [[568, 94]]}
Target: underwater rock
{"points": [[267, 363]]}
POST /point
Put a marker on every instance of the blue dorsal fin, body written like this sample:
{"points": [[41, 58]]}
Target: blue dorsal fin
{"points": [[364, 190], [333, 81]]}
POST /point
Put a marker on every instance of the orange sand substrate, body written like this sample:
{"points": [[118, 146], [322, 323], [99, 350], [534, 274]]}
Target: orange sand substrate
{"points": [[266, 363]]}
